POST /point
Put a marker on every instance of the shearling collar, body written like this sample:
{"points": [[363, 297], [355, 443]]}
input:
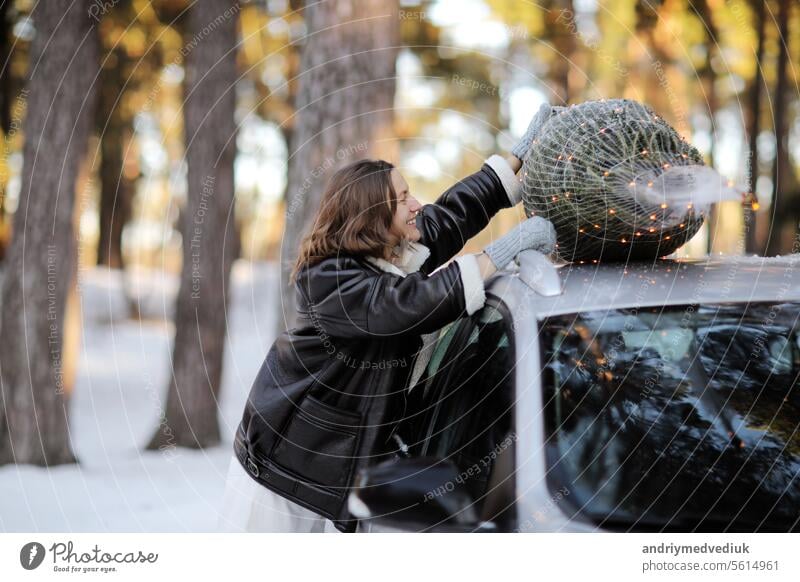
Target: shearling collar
{"points": [[412, 257]]}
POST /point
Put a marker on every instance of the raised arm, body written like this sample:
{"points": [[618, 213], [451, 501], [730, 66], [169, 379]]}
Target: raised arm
{"points": [[466, 208]]}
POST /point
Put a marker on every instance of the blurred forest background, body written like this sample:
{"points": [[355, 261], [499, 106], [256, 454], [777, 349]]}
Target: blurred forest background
{"points": [[184, 138]]}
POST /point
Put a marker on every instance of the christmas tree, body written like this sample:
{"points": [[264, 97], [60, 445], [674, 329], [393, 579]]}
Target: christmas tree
{"points": [[605, 173]]}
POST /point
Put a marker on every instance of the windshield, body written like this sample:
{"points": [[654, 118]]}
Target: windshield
{"points": [[676, 418]]}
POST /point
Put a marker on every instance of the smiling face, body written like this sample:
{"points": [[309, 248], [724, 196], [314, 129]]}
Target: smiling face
{"points": [[404, 221]]}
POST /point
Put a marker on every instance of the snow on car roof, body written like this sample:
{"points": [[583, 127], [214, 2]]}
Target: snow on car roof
{"points": [[728, 279]]}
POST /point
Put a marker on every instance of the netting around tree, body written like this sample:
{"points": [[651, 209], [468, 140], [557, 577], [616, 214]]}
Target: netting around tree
{"points": [[584, 173]]}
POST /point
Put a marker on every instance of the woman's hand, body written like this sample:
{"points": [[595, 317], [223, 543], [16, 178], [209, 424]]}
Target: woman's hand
{"points": [[523, 146], [532, 233]]}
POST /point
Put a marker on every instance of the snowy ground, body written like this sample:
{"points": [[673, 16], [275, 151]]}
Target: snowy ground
{"points": [[121, 385]]}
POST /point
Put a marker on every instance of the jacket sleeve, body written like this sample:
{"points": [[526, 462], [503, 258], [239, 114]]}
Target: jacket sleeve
{"points": [[353, 302], [465, 209]]}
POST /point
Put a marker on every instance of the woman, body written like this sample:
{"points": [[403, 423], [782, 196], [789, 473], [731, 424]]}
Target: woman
{"points": [[369, 282]]}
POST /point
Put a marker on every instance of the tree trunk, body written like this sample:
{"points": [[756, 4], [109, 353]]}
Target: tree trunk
{"points": [[41, 263], [563, 35], [208, 230], [751, 243], [116, 190], [709, 85], [6, 40], [344, 111], [5, 111], [784, 182]]}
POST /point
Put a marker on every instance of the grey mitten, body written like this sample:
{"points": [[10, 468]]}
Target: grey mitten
{"points": [[532, 233], [520, 150]]}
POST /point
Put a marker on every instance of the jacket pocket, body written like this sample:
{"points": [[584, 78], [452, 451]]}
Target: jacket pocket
{"points": [[319, 444]]}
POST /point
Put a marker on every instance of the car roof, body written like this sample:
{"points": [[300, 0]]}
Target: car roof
{"points": [[714, 279]]}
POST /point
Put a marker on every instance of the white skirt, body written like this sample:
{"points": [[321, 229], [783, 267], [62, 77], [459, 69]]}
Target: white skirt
{"points": [[250, 507]]}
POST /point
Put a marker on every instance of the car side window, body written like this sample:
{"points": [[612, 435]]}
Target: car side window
{"points": [[464, 408], [437, 364]]}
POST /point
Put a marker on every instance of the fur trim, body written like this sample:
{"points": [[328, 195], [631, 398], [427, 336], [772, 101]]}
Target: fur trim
{"points": [[511, 183], [474, 292], [412, 257], [386, 266]]}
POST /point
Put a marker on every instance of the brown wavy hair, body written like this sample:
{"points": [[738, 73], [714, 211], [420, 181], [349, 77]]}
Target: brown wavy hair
{"points": [[355, 215]]}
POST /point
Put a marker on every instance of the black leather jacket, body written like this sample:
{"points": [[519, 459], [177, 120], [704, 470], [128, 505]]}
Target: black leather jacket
{"points": [[330, 390]]}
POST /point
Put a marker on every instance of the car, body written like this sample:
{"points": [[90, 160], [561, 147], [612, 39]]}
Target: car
{"points": [[659, 396]]}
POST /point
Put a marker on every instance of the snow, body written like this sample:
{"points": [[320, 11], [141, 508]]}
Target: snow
{"points": [[117, 404]]}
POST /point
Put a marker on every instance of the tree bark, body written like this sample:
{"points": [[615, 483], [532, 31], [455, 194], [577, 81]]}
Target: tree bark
{"points": [[564, 43], [116, 190], [709, 83], [751, 243], [208, 230], [5, 109], [784, 182], [5, 67], [344, 111], [41, 263]]}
